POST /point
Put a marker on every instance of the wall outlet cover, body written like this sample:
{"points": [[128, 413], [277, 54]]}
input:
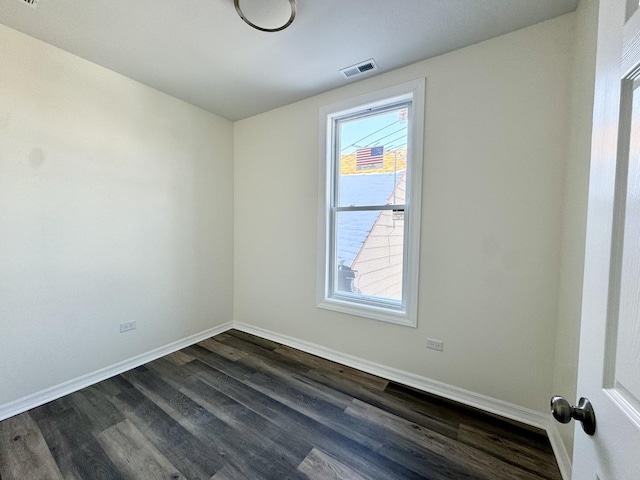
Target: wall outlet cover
{"points": [[126, 327], [435, 344]]}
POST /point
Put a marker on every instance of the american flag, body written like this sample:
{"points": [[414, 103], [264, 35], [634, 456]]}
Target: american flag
{"points": [[369, 157]]}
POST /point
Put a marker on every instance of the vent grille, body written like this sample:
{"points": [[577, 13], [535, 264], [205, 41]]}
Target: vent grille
{"points": [[359, 69], [31, 3]]}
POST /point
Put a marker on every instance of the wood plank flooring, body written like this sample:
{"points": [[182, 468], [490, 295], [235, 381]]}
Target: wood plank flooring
{"points": [[238, 407]]}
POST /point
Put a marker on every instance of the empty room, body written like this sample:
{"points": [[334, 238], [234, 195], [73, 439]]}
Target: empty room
{"points": [[294, 239]]}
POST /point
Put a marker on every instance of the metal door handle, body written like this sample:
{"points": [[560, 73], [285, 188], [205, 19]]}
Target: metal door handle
{"points": [[583, 412]]}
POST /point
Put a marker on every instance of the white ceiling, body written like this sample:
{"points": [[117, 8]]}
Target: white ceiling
{"points": [[202, 52]]}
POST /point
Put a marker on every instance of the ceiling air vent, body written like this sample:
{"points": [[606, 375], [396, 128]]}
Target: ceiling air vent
{"points": [[359, 69], [31, 3]]}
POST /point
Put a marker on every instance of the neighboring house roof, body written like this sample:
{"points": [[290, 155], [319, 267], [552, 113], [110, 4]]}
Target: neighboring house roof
{"points": [[354, 227], [380, 262]]}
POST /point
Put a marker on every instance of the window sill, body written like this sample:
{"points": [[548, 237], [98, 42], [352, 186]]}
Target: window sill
{"points": [[367, 311]]}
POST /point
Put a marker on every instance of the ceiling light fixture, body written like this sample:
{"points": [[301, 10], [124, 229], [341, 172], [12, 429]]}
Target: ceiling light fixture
{"points": [[292, 4]]}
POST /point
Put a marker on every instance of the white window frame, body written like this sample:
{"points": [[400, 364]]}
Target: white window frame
{"points": [[407, 313]]}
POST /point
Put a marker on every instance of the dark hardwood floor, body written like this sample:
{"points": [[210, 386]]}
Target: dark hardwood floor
{"points": [[240, 407]]}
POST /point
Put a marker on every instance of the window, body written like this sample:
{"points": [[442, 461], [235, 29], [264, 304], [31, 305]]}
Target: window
{"points": [[369, 213]]}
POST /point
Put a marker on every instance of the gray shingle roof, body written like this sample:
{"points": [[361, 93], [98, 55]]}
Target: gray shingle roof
{"points": [[354, 227]]}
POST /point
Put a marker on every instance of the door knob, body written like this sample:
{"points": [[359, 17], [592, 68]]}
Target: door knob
{"points": [[583, 412]]}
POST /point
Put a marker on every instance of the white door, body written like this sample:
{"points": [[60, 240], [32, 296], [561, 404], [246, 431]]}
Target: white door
{"points": [[609, 365]]}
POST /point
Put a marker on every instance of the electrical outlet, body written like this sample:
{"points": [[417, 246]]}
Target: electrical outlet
{"points": [[435, 344], [126, 327]]}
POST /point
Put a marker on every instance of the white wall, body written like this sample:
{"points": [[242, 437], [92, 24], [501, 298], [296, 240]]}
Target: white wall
{"points": [[495, 149], [575, 211], [115, 205]]}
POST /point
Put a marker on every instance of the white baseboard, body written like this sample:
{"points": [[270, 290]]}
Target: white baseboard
{"points": [[559, 450], [476, 400], [466, 397], [43, 396], [482, 402]]}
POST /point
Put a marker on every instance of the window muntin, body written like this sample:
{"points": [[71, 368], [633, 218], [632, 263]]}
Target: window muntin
{"points": [[371, 271]]}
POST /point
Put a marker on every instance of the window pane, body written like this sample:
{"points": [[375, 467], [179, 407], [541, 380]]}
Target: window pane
{"points": [[368, 265], [373, 158], [369, 251]]}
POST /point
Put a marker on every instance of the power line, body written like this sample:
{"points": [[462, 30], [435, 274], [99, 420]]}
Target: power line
{"points": [[392, 145], [355, 144], [376, 142], [390, 142], [395, 147]]}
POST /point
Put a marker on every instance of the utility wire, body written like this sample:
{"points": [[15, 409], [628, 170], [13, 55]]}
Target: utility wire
{"points": [[355, 144], [376, 142], [393, 145], [395, 139], [396, 147]]}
